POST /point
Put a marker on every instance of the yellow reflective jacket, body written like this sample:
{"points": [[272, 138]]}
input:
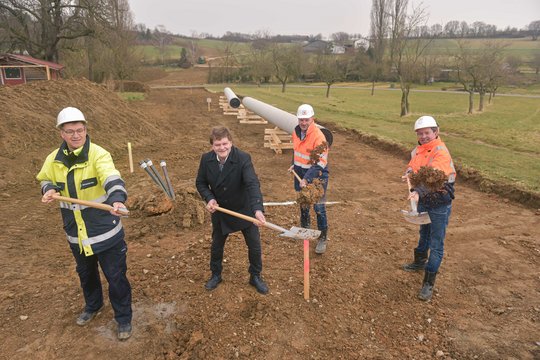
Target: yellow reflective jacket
{"points": [[88, 173]]}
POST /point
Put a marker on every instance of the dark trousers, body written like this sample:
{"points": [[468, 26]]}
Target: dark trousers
{"points": [[253, 242], [113, 264]]}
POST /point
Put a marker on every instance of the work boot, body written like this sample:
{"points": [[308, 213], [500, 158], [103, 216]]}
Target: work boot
{"points": [[213, 282], [124, 331], [86, 316], [258, 282], [427, 289], [419, 263], [321, 245], [304, 222]]}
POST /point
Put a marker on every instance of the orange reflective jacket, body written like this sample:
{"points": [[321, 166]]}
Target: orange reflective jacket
{"points": [[302, 148], [434, 154]]}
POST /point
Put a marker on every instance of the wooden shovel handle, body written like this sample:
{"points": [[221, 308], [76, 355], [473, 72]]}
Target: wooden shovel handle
{"points": [[93, 204], [414, 206], [296, 175], [251, 219]]}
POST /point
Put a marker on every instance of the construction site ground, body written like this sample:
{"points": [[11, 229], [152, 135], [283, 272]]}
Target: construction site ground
{"points": [[362, 305]]}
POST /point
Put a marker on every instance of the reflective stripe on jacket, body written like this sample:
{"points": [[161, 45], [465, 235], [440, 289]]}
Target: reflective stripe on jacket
{"points": [[302, 149], [434, 154], [88, 174]]}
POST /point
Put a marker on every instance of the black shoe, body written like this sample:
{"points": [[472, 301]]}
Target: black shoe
{"points": [[124, 331], [213, 282], [419, 263], [258, 282], [86, 316]]}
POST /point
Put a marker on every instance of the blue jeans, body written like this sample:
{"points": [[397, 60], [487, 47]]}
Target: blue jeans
{"points": [[320, 207], [432, 235], [113, 264]]}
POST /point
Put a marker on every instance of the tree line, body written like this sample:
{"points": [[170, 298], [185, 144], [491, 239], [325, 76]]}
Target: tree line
{"points": [[92, 36]]}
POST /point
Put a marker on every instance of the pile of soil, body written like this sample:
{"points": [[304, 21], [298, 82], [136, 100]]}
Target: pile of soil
{"points": [[28, 119]]}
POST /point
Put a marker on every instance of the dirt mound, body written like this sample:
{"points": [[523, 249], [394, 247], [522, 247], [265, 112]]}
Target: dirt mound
{"points": [[147, 200], [28, 117]]}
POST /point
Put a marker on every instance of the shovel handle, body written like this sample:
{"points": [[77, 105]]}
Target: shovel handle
{"points": [[93, 204], [296, 176], [414, 207], [251, 219]]}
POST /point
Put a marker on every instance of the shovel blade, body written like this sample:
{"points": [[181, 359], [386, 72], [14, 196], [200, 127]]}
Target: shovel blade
{"points": [[301, 233], [416, 218]]}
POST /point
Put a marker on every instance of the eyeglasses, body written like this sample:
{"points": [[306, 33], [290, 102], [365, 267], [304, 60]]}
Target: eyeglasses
{"points": [[70, 132]]}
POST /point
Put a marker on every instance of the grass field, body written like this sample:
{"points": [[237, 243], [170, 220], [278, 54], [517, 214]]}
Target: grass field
{"points": [[503, 142]]}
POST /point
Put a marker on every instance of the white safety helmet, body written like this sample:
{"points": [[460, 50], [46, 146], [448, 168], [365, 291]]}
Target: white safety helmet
{"points": [[69, 114], [305, 111], [425, 122]]}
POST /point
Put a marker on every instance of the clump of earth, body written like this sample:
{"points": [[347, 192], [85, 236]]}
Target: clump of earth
{"points": [[432, 179], [310, 194]]}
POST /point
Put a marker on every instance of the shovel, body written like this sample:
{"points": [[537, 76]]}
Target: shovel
{"points": [[294, 232], [93, 204], [414, 216]]}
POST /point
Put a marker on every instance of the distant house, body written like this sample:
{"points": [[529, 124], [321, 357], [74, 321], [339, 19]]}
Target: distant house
{"points": [[317, 46], [338, 49], [361, 44], [20, 69]]}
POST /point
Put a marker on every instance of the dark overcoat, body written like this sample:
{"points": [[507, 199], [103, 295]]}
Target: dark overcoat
{"points": [[236, 188]]}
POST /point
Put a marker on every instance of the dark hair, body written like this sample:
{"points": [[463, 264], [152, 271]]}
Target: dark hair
{"points": [[218, 133]]}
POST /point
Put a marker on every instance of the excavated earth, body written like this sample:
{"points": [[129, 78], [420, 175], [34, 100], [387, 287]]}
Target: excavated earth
{"points": [[362, 305]]}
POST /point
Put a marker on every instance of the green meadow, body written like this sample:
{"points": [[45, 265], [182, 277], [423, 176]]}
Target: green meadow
{"points": [[503, 142]]}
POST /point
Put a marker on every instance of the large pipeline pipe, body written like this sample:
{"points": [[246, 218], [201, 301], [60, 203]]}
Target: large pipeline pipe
{"points": [[233, 100], [280, 118]]}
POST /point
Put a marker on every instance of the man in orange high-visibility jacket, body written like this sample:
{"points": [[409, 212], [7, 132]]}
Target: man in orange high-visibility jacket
{"points": [[306, 137], [432, 152]]}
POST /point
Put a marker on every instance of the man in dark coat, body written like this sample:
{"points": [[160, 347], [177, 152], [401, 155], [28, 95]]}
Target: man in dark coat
{"points": [[226, 178]]}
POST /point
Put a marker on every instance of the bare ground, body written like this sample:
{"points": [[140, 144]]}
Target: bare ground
{"points": [[362, 306]]}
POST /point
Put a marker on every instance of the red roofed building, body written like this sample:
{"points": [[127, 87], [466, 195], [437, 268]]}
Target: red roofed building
{"points": [[20, 69]]}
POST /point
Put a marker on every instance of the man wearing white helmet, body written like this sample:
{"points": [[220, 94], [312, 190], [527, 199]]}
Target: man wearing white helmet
{"points": [[431, 152], [306, 137], [83, 170]]}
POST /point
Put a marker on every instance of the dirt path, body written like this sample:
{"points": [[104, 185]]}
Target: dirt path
{"points": [[487, 304]]}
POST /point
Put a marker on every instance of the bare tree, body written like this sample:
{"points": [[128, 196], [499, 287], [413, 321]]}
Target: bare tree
{"points": [[161, 38], [380, 10], [406, 51], [340, 37], [535, 63], [287, 61], [534, 28], [260, 63], [330, 69], [40, 26], [480, 70]]}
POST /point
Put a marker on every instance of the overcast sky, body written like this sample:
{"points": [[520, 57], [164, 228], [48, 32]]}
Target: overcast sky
{"points": [[306, 17]]}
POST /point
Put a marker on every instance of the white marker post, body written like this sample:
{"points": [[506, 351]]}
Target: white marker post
{"points": [[208, 101]]}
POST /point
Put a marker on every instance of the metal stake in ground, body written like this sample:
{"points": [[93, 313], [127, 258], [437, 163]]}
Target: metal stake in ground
{"points": [[151, 174], [158, 177], [166, 174]]}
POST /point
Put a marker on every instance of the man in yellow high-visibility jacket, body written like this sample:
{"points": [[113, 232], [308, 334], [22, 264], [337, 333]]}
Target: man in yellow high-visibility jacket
{"points": [[83, 170]]}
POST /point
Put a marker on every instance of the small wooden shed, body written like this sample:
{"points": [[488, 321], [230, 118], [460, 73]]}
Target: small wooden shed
{"points": [[19, 69]]}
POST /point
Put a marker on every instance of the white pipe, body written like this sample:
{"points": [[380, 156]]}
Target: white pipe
{"points": [[282, 119], [233, 100]]}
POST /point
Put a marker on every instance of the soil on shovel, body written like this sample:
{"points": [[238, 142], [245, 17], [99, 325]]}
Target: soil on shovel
{"points": [[433, 179], [310, 194]]}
